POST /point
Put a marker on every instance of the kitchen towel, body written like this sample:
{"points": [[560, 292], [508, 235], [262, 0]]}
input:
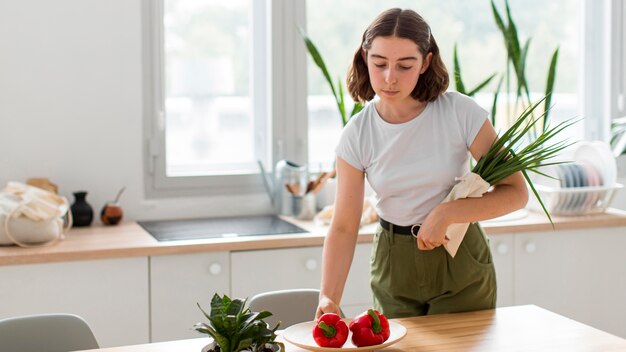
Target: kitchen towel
{"points": [[469, 186]]}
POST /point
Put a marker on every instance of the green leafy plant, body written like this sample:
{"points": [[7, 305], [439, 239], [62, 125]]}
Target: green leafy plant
{"points": [[460, 86], [337, 91], [516, 59], [235, 328], [513, 152]]}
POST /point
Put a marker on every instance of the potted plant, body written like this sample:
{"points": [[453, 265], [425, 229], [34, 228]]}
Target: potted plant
{"points": [[338, 93], [235, 328], [516, 82]]}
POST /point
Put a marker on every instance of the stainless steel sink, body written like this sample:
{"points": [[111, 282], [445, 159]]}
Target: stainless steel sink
{"points": [[191, 229]]}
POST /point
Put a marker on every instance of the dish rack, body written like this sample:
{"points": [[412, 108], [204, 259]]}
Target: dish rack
{"points": [[574, 200]]}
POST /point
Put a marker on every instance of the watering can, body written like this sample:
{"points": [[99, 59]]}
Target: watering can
{"points": [[290, 179]]}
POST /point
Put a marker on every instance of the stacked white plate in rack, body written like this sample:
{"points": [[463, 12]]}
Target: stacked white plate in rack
{"points": [[586, 185]]}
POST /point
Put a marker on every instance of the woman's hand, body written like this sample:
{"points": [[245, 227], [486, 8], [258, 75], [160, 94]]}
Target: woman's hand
{"points": [[432, 232], [326, 305]]}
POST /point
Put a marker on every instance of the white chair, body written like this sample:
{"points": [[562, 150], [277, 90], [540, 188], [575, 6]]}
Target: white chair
{"points": [[46, 332], [287, 306]]}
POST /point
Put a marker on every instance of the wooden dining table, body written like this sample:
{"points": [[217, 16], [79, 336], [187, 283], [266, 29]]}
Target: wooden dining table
{"points": [[516, 328]]}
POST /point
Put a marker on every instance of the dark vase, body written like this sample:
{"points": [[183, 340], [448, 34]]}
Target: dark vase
{"points": [[82, 212]]}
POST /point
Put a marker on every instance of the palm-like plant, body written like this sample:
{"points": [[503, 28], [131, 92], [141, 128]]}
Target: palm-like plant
{"points": [[337, 91], [460, 86], [516, 59]]}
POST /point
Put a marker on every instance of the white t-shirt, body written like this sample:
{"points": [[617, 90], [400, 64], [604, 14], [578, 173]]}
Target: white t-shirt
{"points": [[411, 166]]}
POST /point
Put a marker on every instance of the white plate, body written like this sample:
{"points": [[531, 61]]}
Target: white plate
{"points": [[567, 181], [301, 335], [598, 154], [609, 159], [580, 181]]}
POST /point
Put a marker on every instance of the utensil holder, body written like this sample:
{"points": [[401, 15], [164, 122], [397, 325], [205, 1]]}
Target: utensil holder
{"points": [[304, 207]]}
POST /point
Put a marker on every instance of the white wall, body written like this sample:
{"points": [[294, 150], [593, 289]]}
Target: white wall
{"points": [[71, 105]]}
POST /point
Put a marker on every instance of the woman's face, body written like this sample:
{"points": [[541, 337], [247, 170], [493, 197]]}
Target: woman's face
{"points": [[394, 66]]}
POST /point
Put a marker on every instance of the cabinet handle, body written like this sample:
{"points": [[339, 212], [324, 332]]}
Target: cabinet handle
{"points": [[530, 247], [502, 248], [310, 264], [215, 268]]}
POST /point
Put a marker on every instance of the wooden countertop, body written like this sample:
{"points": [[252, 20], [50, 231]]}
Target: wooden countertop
{"points": [[129, 239], [519, 328]]}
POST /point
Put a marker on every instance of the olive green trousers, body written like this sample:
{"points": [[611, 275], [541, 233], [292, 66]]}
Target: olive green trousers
{"points": [[408, 282]]}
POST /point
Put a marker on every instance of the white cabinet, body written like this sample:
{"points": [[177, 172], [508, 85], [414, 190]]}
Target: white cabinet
{"points": [[357, 295], [177, 284], [259, 271], [109, 294], [502, 251], [576, 273]]}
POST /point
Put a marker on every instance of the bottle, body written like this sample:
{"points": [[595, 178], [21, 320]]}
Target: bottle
{"points": [[82, 212]]}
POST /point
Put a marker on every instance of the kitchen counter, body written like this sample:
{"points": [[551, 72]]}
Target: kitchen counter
{"points": [[518, 328], [130, 240]]}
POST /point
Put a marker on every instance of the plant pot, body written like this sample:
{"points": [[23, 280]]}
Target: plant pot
{"points": [[270, 347]]}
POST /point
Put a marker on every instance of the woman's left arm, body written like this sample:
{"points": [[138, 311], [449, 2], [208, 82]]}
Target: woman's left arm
{"points": [[506, 196]]}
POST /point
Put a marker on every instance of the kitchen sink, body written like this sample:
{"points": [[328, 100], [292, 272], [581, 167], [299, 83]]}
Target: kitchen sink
{"points": [[223, 227]]}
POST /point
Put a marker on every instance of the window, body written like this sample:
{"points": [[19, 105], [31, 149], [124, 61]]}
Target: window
{"points": [[470, 24], [229, 83], [207, 116]]}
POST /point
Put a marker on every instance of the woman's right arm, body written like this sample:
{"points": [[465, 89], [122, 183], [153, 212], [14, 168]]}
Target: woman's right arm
{"points": [[341, 239]]}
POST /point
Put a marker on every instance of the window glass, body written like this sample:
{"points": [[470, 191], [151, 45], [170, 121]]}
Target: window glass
{"points": [[209, 125], [471, 25]]}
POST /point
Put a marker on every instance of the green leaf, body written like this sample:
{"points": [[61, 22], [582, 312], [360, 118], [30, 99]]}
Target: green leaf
{"points": [[458, 81], [498, 19], [235, 307], [550, 84], [341, 103], [481, 85], [513, 39], [495, 102], [532, 187], [317, 59], [356, 108], [522, 83]]}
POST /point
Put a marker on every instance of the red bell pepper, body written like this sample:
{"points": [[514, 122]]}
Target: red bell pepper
{"points": [[330, 331], [369, 328]]}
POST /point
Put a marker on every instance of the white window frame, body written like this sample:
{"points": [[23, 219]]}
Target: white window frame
{"points": [[602, 90], [278, 92], [603, 70]]}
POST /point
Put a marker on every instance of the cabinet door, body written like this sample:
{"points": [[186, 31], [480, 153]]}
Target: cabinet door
{"points": [[280, 269], [502, 251], [357, 295], [576, 273], [259, 271], [177, 284], [111, 295]]}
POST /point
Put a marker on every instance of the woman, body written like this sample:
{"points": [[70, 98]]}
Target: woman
{"points": [[411, 143]]}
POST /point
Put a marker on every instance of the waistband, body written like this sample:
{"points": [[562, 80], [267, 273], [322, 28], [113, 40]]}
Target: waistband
{"points": [[399, 230]]}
